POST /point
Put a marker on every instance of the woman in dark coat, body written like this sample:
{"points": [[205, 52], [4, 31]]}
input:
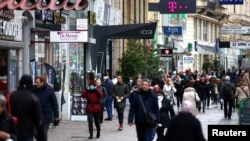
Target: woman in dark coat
{"points": [[93, 107], [7, 127], [166, 113]]}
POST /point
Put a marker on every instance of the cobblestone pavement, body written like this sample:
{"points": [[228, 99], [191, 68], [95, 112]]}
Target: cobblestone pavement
{"points": [[78, 130]]}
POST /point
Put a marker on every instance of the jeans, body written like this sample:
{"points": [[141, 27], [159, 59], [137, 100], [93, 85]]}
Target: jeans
{"points": [[93, 117], [26, 139], [120, 112], [109, 106], [145, 132]]}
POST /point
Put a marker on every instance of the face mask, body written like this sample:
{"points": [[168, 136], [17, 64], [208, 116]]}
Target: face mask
{"points": [[91, 87]]}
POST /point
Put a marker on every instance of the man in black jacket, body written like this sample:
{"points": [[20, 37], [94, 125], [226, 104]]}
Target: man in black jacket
{"points": [[26, 107], [146, 96], [48, 101]]}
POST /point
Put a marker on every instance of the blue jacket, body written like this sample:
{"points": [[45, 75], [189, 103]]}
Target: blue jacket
{"points": [[136, 111], [108, 84], [48, 102]]}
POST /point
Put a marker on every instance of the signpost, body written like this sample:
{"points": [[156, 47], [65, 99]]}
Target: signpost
{"points": [[244, 112], [235, 30]]}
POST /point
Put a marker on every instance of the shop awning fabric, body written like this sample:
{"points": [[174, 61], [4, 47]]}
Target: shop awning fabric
{"points": [[202, 49]]}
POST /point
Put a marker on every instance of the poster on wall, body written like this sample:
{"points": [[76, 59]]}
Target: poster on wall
{"points": [[78, 111]]}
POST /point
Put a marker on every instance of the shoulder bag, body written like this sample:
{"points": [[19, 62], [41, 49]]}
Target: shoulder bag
{"points": [[150, 117]]}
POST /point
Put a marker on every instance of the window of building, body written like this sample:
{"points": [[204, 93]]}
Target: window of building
{"points": [[205, 29], [195, 28], [212, 37], [200, 31]]}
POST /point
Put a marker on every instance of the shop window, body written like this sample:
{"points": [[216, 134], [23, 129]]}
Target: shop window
{"points": [[76, 68]]}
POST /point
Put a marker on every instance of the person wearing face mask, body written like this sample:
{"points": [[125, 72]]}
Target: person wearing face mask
{"points": [[93, 107], [166, 114]]}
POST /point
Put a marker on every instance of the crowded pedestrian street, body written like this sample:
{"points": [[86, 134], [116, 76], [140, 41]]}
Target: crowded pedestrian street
{"points": [[78, 130]]}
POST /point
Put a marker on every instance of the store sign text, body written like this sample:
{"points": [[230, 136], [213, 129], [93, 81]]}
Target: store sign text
{"points": [[7, 14], [68, 36], [8, 28], [10, 4]]}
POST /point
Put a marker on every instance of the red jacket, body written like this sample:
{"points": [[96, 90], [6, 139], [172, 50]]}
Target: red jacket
{"points": [[93, 98]]}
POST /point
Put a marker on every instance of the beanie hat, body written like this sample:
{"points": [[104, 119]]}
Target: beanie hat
{"points": [[26, 81]]}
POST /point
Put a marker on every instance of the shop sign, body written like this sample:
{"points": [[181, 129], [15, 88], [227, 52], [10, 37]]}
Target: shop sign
{"points": [[81, 24], [235, 30], [22, 5], [69, 36], [177, 30], [174, 6], [7, 14], [8, 28], [231, 2]]}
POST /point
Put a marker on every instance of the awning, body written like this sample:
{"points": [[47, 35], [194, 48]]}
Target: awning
{"points": [[202, 49]]}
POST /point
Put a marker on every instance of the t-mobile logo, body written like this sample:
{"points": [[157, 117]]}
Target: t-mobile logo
{"points": [[172, 6]]}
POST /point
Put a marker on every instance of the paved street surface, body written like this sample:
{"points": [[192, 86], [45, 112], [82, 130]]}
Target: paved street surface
{"points": [[78, 131]]}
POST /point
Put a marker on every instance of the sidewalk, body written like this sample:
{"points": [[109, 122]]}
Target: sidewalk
{"points": [[78, 131]]}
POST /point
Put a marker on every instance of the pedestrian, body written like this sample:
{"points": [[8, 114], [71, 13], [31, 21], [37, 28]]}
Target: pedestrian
{"points": [[134, 88], [103, 99], [202, 89], [179, 84], [228, 90], [185, 126], [241, 91], [120, 92], [166, 113], [169, 90], [93, 107], [7, 127], [108, 84], [27, 108], [191, 94], [49, 104], [146, 99]]}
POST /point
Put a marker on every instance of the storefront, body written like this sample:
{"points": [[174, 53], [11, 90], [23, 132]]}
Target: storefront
{"points": [[10, 49]]}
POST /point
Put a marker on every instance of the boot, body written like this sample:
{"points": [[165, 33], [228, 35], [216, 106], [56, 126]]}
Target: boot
{"points": [[98, 134], [91, 136]]}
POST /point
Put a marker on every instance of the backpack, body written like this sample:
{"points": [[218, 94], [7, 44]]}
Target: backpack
{"points": [[228, 91]]}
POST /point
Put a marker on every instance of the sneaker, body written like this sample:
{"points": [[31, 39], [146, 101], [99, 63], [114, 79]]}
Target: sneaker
{"points": [[120, 127]]}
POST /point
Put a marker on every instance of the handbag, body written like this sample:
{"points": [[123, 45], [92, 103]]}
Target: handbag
{"points": [[150, 117], [15, 119], [197, 103]]}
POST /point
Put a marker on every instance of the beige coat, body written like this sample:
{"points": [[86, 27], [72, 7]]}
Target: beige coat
{"points": [[240, 94], [191, 95], [247, 79]]}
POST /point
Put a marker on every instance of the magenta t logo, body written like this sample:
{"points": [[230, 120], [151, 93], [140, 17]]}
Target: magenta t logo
{"points": [[172, 6]]}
